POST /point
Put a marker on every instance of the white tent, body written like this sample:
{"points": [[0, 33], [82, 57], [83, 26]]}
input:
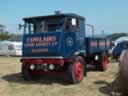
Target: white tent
{"points": [[11, 48]]}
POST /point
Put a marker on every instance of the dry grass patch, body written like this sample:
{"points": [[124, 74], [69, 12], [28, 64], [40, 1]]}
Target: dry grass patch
{"points": [[95, 84]]}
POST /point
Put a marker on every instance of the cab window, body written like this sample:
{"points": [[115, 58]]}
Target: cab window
{"points": [[54, 24], [72, 25]]}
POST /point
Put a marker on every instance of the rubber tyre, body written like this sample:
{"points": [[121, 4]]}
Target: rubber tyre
{"points": [[103, 62], [76, 70], [25, 73]]}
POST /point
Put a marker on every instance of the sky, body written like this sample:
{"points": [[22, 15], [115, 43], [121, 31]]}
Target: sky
{"points": [[108, 15]]}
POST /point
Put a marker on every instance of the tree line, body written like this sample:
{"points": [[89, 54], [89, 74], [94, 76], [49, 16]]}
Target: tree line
{"points": [[6, 35], [116, 36]]}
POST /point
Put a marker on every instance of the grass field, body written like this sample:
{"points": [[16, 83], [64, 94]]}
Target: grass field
{"points": [[95, 84]]}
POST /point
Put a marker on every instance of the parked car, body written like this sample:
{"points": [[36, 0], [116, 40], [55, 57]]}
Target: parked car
{"points": [[119, 48]]}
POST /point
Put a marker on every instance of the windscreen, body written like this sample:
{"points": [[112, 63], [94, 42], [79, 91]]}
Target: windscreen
{"points": [[44, 25]]}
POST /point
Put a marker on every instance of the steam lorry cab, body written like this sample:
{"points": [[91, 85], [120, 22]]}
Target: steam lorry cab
{"points": [[58, 43]]}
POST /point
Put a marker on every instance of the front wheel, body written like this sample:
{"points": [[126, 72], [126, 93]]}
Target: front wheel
{"points": [[25, 73], [76, 70]]}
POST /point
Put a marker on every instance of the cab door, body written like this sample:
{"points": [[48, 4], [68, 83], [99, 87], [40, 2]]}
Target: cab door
{"points": [[73, 40], [80, 35]]}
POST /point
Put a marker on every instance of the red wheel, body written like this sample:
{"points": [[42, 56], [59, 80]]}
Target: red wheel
{"points": [[103, 62], [79, 71], [76, 70]]}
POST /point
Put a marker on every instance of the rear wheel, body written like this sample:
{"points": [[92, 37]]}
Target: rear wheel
{"points": [[103, 62], [76, 70]]}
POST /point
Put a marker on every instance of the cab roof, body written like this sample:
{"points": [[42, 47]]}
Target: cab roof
{"points": [[54, 15]]}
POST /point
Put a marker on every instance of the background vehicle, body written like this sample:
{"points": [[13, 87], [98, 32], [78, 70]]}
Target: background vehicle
{"points": [[58, 43], [119, 48], [10, 48]]}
